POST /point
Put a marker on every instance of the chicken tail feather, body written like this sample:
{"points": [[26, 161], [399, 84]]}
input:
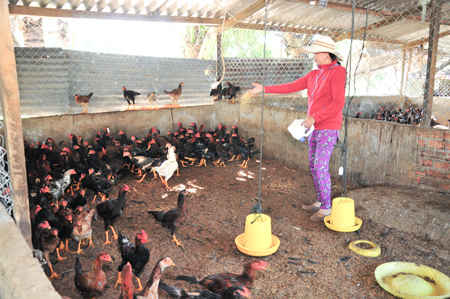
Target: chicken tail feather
{"points": [[173, 291], [157, 214], [78, 266], [190, 279], [167, 92]]}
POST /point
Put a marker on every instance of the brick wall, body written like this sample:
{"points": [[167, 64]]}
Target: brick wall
{"points": [[433, 171]]}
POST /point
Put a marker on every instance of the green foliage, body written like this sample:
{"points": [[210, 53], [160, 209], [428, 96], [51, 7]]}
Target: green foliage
{"points": [[244, 43]]}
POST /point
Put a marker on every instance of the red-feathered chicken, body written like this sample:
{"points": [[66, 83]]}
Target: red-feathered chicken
{"points": [[130, 95], [111, 209], [83, 101], [218, 283], [134, 253], [127, 287], [175, 94], [150, 290], [234, 292], [92, 284], [172, 218]]}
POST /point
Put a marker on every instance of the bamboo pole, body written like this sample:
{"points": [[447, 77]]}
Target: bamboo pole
{"points": [[9, 95]]}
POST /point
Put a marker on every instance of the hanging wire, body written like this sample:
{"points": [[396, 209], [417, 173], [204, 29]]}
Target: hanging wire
{"points": [[343, 145], [257, 207]]}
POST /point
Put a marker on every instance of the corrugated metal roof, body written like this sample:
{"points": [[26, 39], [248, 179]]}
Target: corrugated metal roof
{"points": [[285, 15]]}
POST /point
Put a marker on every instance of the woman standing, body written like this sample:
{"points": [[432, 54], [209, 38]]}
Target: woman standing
{"points": [[326, 99]]}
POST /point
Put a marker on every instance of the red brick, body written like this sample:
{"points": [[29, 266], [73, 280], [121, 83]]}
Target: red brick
{"points": [[423, 132], [441, 165], [418, 180], [437, 133], [436, 144], [446, 135], [447, 146], [421, 173], [423, 154], [426, 163], [436, 174], [431, 182], [421, 143], [448, 176], [443, 186], [441, 155]]}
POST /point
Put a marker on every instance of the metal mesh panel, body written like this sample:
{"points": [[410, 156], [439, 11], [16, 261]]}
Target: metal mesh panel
{"points": [[389, 55], [5, 181]]}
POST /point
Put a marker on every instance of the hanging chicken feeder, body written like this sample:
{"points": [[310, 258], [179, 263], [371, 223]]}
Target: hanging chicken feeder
{"points": [[257, 239], [342, 218]]}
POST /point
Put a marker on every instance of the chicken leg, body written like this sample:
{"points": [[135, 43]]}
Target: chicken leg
{"points": [[79, 251], [175, 240], [119, 279], [59, 257], [140, 181], [140, 288], [114, 233], [107, 242], [54, 274], [202, 162], [244, 164]]}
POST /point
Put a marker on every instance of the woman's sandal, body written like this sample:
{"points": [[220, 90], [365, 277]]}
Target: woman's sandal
{"points": [[317, 217], [311, 208]]}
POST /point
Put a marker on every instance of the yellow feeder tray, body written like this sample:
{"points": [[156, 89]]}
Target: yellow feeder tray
{"points": [[342, 218], [412, 281], [371, 252], [257, 240]]}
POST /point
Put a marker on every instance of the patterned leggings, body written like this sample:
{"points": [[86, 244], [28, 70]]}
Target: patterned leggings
{"points": [[321, 143]]}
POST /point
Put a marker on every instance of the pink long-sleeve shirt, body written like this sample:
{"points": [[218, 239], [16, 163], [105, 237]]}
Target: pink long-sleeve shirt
{"points": [[326, 94]]}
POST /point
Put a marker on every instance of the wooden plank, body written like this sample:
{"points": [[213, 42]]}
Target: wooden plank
{"points": [[435, 25], [9, 95], [242, 15], [424, 40], [66, 13]]}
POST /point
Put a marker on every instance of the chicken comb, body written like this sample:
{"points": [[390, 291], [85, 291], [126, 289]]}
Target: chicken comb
{"points": [[144, 234]]}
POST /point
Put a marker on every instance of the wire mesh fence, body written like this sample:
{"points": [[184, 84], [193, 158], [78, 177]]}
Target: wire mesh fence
{"points": [[386, 50], [5, 181]]}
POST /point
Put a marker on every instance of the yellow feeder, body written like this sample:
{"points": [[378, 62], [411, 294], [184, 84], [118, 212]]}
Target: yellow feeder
{"points": [[412, 281], [257, 239], [342, 218]]}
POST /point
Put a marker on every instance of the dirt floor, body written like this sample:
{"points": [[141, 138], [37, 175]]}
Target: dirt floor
{"points": [[312, 261]]}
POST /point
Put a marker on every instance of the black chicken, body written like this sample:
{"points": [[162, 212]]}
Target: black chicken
{"points": [[111, 209], [172, 218], [134, 253], [216, 90], [130, 95], [231, 92]]}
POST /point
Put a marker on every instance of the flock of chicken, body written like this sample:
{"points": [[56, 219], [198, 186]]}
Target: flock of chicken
{"points": [[55, 169], [217, 93], [408, 116]]}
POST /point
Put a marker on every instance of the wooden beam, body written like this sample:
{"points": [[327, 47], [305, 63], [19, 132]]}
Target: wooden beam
{"points": [[435, 25], [66, 13], [424, 40], [9, 96], [242, 15], [373, 26], [332, 34]]}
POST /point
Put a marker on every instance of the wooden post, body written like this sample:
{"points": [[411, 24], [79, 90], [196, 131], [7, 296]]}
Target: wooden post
{"points": [[9, 95], [219, 60], [436, 7], [402, 80]]}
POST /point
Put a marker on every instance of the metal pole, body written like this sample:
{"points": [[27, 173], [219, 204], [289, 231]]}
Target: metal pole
{"points": [[219, 55], [436, 7]]}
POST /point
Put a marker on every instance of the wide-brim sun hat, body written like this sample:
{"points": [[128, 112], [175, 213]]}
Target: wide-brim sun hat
{"points": [[321, 44]]}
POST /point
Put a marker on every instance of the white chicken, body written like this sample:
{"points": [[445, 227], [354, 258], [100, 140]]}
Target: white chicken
{"points": [[168, 167]]}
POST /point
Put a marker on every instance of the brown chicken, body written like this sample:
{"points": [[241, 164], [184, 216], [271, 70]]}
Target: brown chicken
{"points": [[218, 283], [127, 287], [49, 241], [92, 284], [150, 290], [172, 218], [175, 94], [83, 101], [82, 230]]}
